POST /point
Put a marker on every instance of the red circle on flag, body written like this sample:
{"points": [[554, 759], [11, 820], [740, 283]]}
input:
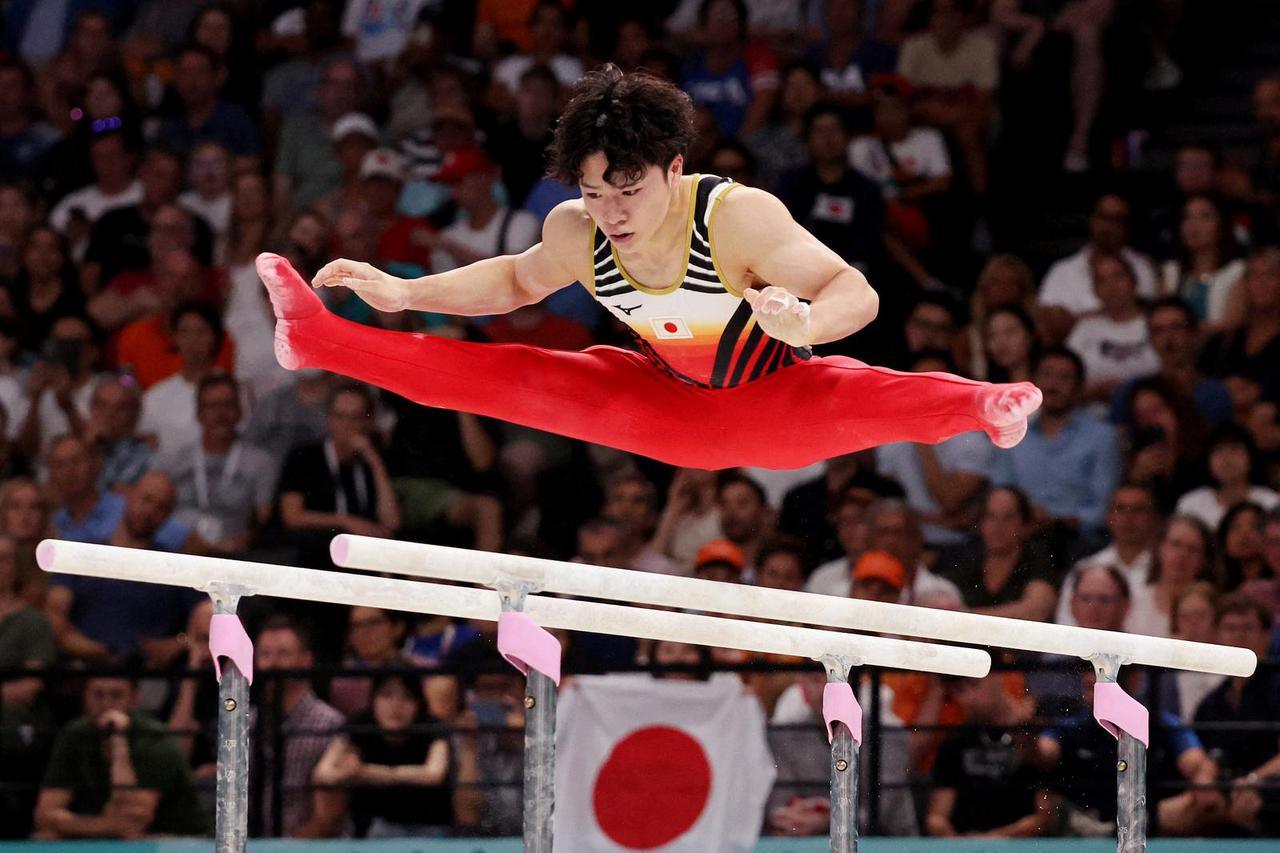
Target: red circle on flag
{"points": [[652, 788], [670, 327]]}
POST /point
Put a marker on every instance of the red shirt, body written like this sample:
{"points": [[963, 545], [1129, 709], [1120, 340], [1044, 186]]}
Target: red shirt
{"points": [[147, 348]]}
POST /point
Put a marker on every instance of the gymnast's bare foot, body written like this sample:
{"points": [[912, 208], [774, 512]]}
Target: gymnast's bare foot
{"points": [[292, 300], [1005, 409]]}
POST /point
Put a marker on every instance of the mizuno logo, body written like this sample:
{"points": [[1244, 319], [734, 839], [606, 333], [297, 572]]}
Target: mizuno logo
{"points": [[626, 310]]}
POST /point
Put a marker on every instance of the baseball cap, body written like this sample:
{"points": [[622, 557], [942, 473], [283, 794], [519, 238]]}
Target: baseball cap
{"points": [[720, 551], [382, 163], [881, 566], [355, 123], [461, 162]]}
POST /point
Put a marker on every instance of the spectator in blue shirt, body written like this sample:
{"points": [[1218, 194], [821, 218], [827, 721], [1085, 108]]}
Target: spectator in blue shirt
{"points": [[204, 116], [737, 79], [103, 620], [24, 142], [1069, 463]]}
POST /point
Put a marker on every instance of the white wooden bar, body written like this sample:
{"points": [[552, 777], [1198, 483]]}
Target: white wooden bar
{"points": [[465, 602], [555, 576]]}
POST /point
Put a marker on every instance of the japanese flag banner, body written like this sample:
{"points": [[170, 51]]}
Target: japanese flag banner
{"points": [[664, 766]]}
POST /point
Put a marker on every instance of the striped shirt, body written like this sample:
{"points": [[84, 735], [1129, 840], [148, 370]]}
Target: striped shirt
{"points": [[698, 328]]}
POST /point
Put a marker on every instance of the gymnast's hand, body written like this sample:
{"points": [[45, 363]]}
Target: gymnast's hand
{"points": [[780, 314], [382, 291]]}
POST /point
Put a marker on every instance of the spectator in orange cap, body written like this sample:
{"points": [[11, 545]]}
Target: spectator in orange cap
{"points": [[719, 560], [878, 576]]}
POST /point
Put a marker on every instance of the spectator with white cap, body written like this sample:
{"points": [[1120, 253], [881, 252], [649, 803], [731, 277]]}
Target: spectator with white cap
{"points": [[404, 243], [353, 136]]}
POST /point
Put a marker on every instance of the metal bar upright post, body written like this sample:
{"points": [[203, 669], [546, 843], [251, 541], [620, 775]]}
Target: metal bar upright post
{"points": [[539, 743], [844, 764], [1131, 773], [232, 820]]}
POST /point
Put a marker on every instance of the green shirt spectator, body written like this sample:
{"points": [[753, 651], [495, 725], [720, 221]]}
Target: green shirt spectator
{"points": [[80, 766]]}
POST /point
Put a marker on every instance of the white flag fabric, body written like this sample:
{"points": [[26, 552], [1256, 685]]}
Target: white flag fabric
{"points": [[659, 765]]}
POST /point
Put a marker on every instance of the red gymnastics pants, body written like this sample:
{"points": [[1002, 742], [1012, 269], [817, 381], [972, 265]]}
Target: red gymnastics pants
{"points": [[810, 411]]}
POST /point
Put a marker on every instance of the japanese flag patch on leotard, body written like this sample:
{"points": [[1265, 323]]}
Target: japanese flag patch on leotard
{"points": [[670, 328]]}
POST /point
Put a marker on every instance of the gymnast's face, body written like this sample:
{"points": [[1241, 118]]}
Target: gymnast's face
{"points": [[629, 212]]}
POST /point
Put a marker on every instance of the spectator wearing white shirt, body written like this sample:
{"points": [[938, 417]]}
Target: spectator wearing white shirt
{"points": [[114, 185], [59, 386], [957, 67], [485, 229], [1114, 344], [1235, 471], [849, 518], [904, 160], [381, 29], [225, 486], [1184, 555], [893, 527], [1069, 283], [1133, 521], [799, 743], [1208, 268], [912, 169], [169, 406], [209, 198]]}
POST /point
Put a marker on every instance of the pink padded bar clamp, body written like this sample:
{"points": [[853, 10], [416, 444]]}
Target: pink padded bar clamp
{"points": [[840, 706], [227, 639], [1117, 711], [527, 646]]}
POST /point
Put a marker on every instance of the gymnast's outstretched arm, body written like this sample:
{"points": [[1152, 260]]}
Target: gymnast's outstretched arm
{"points": [[492, 286]]}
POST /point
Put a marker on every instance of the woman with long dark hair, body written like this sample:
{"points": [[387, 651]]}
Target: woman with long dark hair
{"points": [[1207, 271], [219, 28], [1235, 473], [1240, 544], [1164, 419], [1005, 573], [1004, 280], [25, 517], [45, 288], [395, 761], [1011, 345]]}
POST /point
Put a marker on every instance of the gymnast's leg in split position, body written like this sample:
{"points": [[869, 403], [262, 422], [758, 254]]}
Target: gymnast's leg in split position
{"points": [[803, 413]]}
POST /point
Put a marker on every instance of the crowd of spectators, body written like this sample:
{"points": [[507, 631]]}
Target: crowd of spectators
{"points": [[150, 149]]}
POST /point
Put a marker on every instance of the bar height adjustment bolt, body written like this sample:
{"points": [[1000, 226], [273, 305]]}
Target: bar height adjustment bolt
{"points": [[529, 702], [229, 705], [842, 765]]}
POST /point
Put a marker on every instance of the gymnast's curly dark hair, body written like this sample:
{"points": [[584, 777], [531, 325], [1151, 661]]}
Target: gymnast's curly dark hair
{"points": [[636, 120]]}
